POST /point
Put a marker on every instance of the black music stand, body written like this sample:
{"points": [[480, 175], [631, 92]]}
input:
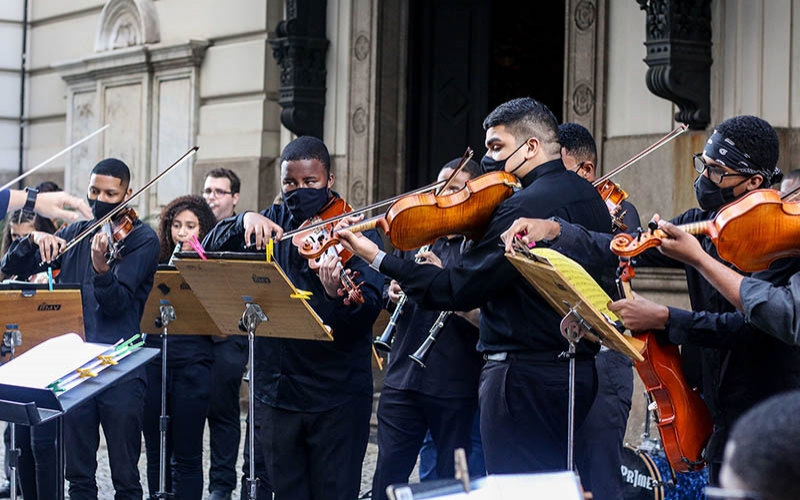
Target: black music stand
{"points": [[229, 282], [29, 406]]}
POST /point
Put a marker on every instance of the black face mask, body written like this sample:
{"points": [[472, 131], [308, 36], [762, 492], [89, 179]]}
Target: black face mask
{"points": [[489, 164], [304, 203], [710, 196], [100, 208]]}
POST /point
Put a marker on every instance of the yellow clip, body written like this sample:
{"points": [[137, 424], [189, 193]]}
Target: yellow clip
{"points": [[86, 372], [270, 249], [301, 294], [107, 359]]}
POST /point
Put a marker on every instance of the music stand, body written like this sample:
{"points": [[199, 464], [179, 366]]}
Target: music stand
{"points": [[170, 293], [39, 313], [572, 292], [34, 406], [32, 313], [228, 282]]}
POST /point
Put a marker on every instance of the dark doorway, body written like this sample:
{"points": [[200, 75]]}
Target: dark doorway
{"points": [[464, 58]]}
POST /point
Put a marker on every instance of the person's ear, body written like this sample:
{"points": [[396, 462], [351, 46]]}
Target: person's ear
{"points": [[587, 170], [331, 180], [754, 182], [534, 146], [235, 197], [128, 194]]}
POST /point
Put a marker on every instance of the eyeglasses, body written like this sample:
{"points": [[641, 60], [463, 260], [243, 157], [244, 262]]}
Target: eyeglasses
{"points": [[216, 192], [713, 493], [715, 173]]}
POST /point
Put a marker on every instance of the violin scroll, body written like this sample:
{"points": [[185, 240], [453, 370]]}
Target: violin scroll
{"points": [[626, 245], [350, 288]]}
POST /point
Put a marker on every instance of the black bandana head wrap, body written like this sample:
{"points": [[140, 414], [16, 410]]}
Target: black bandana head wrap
{"points": [[724, 151]]}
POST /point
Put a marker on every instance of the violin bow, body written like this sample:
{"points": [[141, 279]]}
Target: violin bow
{"points": [[461, 164], [667, 138], [122, 206], [63, 151], [792, 195]]}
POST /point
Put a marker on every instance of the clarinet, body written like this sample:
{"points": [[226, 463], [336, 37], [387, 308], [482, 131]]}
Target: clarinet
{"points": [[421, 354], [384, 342]]}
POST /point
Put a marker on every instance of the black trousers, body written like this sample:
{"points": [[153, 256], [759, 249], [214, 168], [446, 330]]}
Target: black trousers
{"points": [[599, 440], [264, 491], [188, 395], [524, 413], [403, 419], [119, 410], [38, 471], [316, 455], [230, 359]]}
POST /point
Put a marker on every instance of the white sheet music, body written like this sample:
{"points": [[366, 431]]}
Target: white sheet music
{"points": [[50, 361], [550, 485]]}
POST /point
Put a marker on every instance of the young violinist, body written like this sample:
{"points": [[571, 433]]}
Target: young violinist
{"points": [[443, 395], [189, 362], [313, 399], [114, 294], [600, 438], [523, 392], [741, 365]]}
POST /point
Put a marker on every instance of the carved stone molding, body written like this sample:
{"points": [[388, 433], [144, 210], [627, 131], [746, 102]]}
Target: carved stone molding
{"points": [[300, 49], [127, 23], [584, 77], [679, 56]]}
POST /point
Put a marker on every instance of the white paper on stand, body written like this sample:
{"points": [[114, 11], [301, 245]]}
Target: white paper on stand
{"points": [[50, 361]]}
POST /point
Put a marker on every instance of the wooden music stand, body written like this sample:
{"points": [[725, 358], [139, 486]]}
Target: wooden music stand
{"points": [[228, 283], [542, 270], [192, 318], [40, 313], [222, 282]]}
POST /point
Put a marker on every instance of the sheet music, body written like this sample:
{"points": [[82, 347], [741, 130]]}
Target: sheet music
{"points": [[580, 279], [50, 361]]}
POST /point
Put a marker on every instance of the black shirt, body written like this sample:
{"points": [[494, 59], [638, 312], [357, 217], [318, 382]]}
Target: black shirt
{"points": [[513, 315], [741, 364], [113, 302], [453, 365], [308, 375]]}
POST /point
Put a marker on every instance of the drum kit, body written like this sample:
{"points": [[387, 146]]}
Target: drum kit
{"points": [[647, 475]]}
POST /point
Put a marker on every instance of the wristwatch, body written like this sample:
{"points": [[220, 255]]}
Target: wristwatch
{"points": [[31, 201]]}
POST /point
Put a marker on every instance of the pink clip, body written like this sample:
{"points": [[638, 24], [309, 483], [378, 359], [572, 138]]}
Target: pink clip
{"points": [[197, 247]]}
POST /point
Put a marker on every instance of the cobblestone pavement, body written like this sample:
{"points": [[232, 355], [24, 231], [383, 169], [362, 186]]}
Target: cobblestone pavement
{"points": [[106, 490]]}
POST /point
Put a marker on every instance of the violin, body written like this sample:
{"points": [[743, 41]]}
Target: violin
{"points": [[314, 244], [750, 233], [118, 228], [613, 194], [682, 416], [420, 219]]}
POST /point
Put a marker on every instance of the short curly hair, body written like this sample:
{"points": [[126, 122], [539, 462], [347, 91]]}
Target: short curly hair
{"points": [[192, 202]]}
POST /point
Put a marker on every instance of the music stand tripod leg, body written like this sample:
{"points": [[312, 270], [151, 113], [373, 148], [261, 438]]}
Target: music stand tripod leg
{"points": [[252, 317], [573, 328], [167, 315]]}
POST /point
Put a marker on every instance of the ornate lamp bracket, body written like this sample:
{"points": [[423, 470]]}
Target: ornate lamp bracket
{"points": [[299, 48], [679, 56]]}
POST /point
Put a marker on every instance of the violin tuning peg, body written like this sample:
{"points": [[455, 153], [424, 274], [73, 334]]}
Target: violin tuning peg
{"points": [[346, 302], [340, 292], [355, 275]]}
